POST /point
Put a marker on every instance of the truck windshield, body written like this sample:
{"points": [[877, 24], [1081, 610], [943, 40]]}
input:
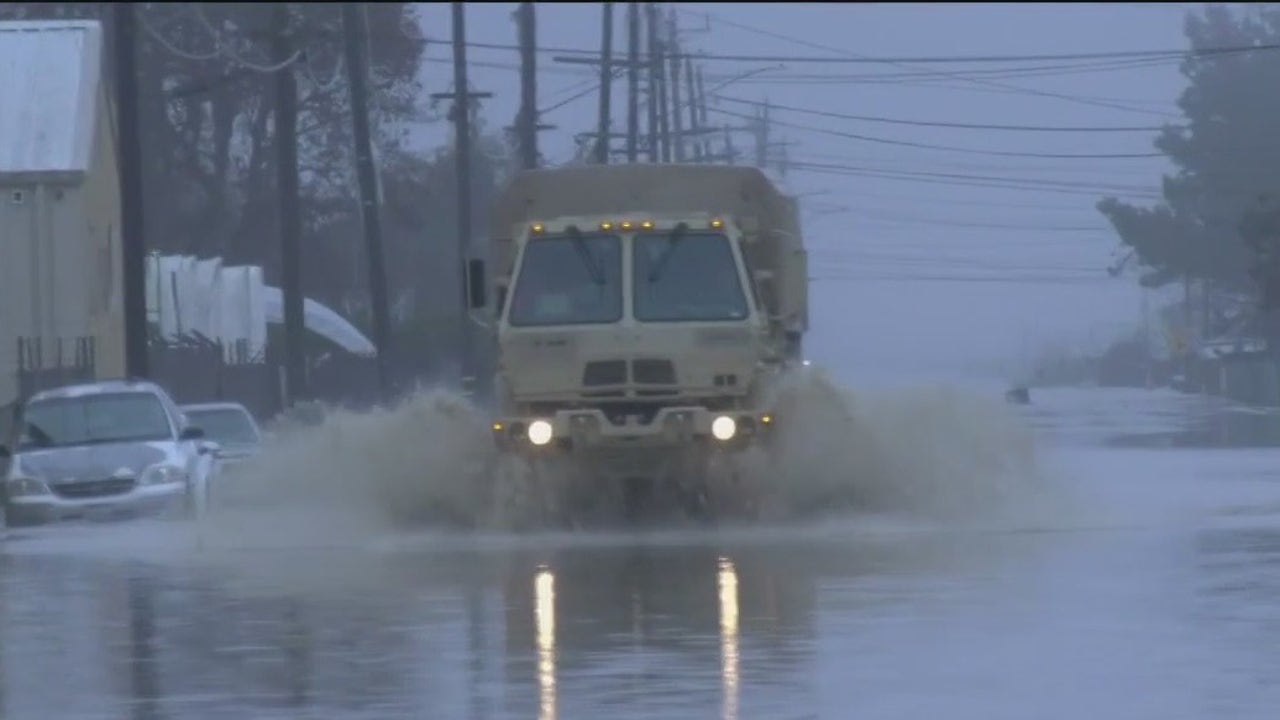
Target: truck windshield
{"points": [[95, 419], [569, 281], [689, 276]]}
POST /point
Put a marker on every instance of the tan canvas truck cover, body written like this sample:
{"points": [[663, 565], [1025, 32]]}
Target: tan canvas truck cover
{"points": [[769, 219]]}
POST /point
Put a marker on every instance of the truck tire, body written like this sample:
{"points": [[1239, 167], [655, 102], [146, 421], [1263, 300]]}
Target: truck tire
{"points": [[689, 477]]}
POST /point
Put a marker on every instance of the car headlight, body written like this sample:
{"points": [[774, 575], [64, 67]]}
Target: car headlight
{"points": [[540, 432], [724, 428], [162, 474], [25, 486]]}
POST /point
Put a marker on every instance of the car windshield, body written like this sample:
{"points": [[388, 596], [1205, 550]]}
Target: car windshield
{"points": [[686, 276], [225, 426], [569, 280], [94, 420]]}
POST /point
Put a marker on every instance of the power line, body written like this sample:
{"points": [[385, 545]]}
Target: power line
{"points": [[1034, 207], [1037, 71], [235, 57], [982, 226], [877, 261], [221, 49], [949, 148], [938, 123], [1066, 184], [1002, 89], [944, 179], [956, 76], [953, 59], [977, 279], [1069, 173], [905, 78]]}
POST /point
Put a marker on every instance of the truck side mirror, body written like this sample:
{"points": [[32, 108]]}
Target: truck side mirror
{"points": [[476, 296]]}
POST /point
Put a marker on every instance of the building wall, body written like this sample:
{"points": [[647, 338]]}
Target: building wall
{"points": [[19, 299], [60, 274], [104, 252]]}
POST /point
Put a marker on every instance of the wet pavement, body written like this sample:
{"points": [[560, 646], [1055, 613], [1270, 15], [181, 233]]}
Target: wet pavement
{"points": [[1157, 596]]}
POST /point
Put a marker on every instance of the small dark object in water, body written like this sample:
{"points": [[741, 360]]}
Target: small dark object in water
{"points": [[1019, 395]]}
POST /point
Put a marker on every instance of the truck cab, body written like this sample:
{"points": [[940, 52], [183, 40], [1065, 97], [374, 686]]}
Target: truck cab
{"points": [[630, 313]]}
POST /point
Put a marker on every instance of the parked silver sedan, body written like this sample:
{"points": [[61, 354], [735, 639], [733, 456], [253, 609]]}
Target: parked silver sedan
{"points": [[103, 449]]}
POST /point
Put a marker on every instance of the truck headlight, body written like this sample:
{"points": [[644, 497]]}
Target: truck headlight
{"points": [[162, 474], [724, 428], [24, 486], [540, 432]]}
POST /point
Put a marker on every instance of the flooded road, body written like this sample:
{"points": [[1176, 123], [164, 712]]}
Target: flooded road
{"points": [[1156, 596]]}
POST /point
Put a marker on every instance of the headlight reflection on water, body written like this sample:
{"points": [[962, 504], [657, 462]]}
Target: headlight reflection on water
{"points": [[544, 610], [544, 617], [727, 580]]}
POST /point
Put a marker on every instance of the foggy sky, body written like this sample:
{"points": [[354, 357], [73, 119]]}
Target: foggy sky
{"points": [[911, 276]]}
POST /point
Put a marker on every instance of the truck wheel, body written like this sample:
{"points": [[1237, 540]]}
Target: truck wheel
{"points": [[511, 480], [736, 483], [554, 479], [689, 478]]}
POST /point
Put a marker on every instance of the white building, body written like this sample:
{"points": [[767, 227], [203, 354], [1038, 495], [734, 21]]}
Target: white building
{"points": [[60, 254]]}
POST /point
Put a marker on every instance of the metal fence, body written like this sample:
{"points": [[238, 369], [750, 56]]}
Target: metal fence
{"points": [[196, 369], [44, 365], [63, 362]]}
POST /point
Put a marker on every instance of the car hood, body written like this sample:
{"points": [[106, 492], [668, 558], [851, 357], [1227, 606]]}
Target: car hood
{"points": [[90, 462]]}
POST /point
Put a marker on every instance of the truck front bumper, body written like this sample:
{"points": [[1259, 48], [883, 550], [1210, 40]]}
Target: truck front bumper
{"points": [[671, 427]]}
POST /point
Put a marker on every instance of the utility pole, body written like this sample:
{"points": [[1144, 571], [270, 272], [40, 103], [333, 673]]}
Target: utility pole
{"points": [[133, 233], [286, 122], [527, 119], [355, 28], [653, 72], [730, 153], [660, 70], [762, 136], [702, 116], [606, 83], [461, 116], [694, 125], [633, 80], [1186, 329], [677, 124]]}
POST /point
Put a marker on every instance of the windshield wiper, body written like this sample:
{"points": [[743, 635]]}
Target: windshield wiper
{"points": [[676, 236], [580, 245]]}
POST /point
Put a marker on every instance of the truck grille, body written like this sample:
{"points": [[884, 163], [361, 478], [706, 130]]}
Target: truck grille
{"points": [[614, 372], [604, 372], [653, 372], [93, 488]]}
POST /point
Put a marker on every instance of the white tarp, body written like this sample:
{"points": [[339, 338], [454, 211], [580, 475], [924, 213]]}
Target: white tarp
{"points": [[241, 314], [186, 295], [320, 320]]}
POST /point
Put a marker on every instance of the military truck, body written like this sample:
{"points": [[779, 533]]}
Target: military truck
{"points": [[643, 315]]}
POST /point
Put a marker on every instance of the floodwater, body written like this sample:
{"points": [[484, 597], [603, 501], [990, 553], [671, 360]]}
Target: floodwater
{"points": [[1151, 591]]}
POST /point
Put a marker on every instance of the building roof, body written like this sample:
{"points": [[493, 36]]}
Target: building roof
{"points": [[50, 74]]}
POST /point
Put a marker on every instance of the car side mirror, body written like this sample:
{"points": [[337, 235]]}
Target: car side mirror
{"points": [[5, 453], [192, 433], [476, 295], [209, 448]]}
